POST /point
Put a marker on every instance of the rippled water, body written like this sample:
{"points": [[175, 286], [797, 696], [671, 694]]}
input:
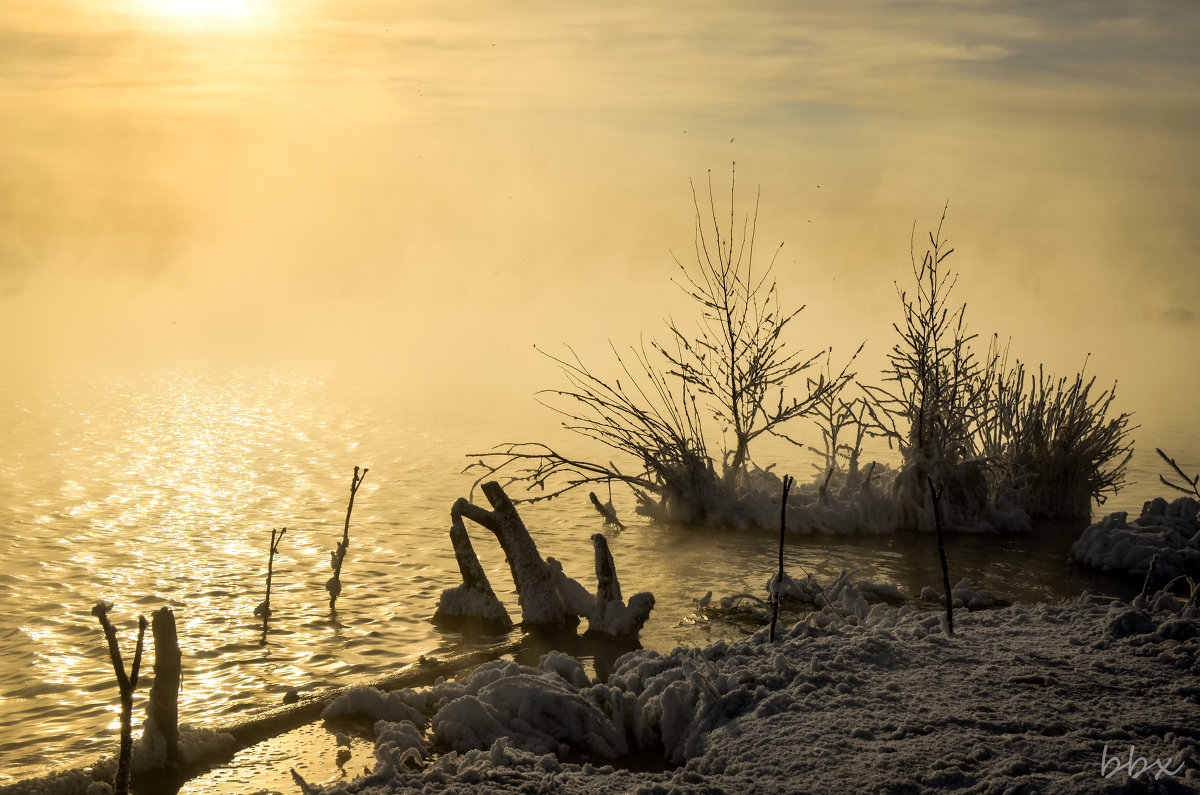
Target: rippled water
{"points": [[161, 488]]}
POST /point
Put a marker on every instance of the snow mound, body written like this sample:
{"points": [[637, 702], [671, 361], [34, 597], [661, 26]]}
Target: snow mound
{"points": [[463, 601], [966, 597], [367, 702], [399, 744], [1027, 698], [1169, 530]]}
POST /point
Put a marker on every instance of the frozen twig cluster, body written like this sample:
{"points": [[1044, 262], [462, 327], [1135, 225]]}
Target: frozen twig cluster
{"points": [[993, 437], [1193, 483]]}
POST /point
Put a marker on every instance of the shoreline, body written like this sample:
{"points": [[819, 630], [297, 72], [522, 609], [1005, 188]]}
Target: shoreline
{"points": [[1027, 696]]}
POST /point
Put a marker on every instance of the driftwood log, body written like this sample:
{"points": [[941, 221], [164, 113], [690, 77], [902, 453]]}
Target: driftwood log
{"points": [[547, 596]]}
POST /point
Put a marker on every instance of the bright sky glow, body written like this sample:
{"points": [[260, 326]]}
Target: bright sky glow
{"points": [[202, 10]]}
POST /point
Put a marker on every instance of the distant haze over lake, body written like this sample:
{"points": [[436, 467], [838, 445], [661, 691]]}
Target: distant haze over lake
{"points": [[429, 192]]}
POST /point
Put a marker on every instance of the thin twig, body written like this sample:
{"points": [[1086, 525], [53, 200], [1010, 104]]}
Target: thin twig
{"points": [[788, 480], [334, 585]]}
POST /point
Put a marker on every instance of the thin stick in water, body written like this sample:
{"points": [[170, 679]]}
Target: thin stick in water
{"points": [[936, 491], [264, 609], [126, 684], [775, 597], [334, 586]]}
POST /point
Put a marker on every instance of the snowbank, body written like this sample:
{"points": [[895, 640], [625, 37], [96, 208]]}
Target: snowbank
{"points": [[1169, 530], [1025, 698]]}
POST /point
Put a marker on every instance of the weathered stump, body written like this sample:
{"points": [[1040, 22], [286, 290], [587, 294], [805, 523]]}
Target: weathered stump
{"points": [[475, 597], [159, 746], [610, 615], [538, 581], [547, 596]]}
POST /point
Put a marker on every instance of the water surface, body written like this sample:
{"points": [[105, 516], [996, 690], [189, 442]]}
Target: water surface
{"points": [[161, 487]]}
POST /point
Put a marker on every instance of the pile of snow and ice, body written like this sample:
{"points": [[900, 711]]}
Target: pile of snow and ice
{"points": [[1078, 697], [879, 499], [1169, 530], [967, 597], [1073, 698], [843, 598]]}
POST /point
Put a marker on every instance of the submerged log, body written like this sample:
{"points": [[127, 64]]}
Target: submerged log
{"points": [[548, 597]]}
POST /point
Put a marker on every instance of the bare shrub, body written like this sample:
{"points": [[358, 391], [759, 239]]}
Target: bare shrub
{"points": [[729, 377]]}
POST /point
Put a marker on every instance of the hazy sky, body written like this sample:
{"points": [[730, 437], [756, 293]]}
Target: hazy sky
{"points": [[417, 186]]}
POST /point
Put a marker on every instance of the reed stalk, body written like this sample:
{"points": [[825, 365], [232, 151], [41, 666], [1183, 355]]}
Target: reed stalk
{"points": [[264, 609], [936, 493]]}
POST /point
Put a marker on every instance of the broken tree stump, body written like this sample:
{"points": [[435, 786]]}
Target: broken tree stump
{"points": [[611, 615], [535, 578], [475, 597], [547, 596], [159, 745]]}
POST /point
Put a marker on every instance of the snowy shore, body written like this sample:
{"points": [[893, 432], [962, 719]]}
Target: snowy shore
{"points": [[1023, 699], [1028, 698]]}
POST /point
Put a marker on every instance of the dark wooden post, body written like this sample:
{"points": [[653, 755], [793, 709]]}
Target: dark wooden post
{"points": [[787, 485]]}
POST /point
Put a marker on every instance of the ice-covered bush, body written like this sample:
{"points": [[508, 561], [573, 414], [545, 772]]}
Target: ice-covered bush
{"points": [[1003, 447], [1051, 444]]}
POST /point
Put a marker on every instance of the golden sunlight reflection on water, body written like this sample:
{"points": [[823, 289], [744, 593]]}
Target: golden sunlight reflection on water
{"points": [[162, 487]]}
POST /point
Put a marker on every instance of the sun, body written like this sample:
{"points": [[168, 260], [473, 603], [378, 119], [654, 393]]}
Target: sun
{"points": [[203, 10]]}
